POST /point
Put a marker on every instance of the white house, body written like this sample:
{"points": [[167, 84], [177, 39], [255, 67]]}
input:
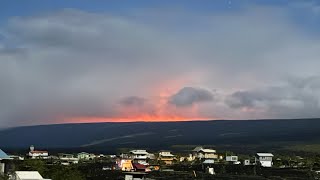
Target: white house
{"points": [[246, 162], [232, 159], [27, 175], [139, 156], [190, 157], [16, 157], [86, 156], [166, 157], [34, 154], [264, 159], [202, 153], [67, 159]]}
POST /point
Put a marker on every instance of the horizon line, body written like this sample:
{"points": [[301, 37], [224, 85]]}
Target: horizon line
{"points": [[164, 121]]}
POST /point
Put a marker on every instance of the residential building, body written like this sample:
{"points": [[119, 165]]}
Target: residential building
{"points": [[16, 157], [232, 159], [125, 164], [264, 159], [202, 153], [207, 165], [246, 162], [36, 154], [85, 156], [166, 157], [139, 156], [151, 156], [137, 167], [67, 159]]}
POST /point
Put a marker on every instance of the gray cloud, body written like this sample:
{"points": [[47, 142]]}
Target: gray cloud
{"points": [[299, 98], [72, 63], [188, 96], [133, 101], [242, 99]]}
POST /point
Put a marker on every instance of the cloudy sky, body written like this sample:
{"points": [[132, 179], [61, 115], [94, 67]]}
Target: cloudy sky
{"points": [[95, 61]]}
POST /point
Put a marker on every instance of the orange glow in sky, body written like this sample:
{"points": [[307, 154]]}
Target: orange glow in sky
{"points": [[155, 110], [142, 118]]}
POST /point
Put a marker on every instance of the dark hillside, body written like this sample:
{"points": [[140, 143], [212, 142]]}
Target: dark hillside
{"points": [[163, 134]]}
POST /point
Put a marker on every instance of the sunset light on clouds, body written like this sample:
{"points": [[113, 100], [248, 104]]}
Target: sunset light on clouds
{"points": [[170, 61]]}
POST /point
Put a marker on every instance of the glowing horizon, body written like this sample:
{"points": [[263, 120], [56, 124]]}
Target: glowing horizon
{"points": [[142, 119]]}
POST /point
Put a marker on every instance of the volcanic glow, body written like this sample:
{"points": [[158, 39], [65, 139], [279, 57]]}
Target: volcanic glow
{"points": [[155, 109], [159, 111], [142, 118]]}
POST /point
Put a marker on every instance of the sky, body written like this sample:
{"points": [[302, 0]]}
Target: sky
{"points": [[170, 60]]}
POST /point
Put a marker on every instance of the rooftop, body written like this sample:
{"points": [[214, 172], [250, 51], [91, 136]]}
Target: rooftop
{"points": [[208, 161], [208, 150], [265, 154], [138, 166], [31, 175], [38, 152], [199, 148], [139, 152], [3, 155]]}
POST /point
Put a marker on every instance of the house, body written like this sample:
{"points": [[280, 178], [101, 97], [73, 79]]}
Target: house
{"points": [[16, 157], [35, 154], [27, 175], [232, 159], [202, 153], [85, 156], [100, 156], [3, 157], [38, 154], [166, 157], [139, 156], [207, 165], [139, 167], [264, 159], [151, 156], [125, 164], [246, 162], [67, 159]]}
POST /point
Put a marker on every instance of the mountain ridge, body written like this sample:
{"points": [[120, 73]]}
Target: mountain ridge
{"points": [[163, 135]]}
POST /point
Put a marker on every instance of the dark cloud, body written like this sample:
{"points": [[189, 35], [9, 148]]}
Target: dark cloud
{"points": [[188, 96], [241, 99], [133, 101]]}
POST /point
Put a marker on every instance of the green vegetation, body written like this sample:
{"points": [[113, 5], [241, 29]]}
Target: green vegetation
{"points": [[92, 170], [56, 172], [313, 148], [3, 177]]}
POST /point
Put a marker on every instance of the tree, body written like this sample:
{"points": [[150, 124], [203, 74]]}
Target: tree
{"points": [[33, 165], [66, 173], [3, 177]]}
